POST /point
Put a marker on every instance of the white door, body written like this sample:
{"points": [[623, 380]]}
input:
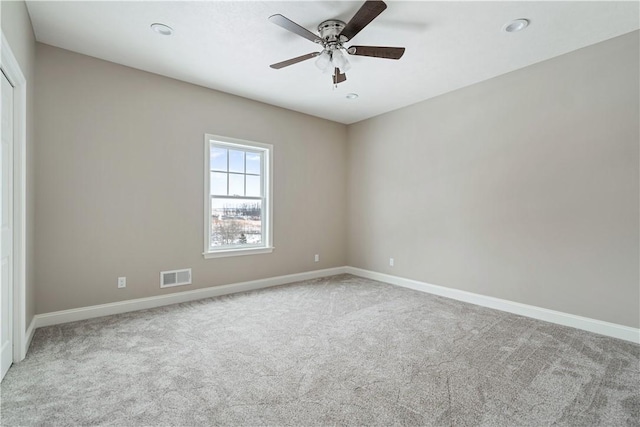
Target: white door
{"points": [[6, 228]]}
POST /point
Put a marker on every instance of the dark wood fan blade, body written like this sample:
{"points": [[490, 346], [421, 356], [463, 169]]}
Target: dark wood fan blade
{"points": [[288, 24], [295, 60], [377, 51], [338, 77], [367, 13]]}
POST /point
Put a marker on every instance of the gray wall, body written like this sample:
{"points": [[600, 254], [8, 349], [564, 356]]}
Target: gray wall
{"points": [[16, 26], [523, 187], [120, 182]]}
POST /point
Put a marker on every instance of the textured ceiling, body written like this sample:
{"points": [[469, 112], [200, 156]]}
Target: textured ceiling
{"points": [[228, 46]]}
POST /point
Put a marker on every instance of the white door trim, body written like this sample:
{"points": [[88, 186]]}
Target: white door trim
{"points": [[11, 69]]}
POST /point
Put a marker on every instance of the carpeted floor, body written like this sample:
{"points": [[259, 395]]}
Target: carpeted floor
{"points": [[333, 351]]}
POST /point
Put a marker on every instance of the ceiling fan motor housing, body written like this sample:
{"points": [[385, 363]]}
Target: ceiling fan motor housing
{"points": [[330, 30]]}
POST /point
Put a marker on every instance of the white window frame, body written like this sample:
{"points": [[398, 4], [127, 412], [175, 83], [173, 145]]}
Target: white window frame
{"points": [[267, 202]]}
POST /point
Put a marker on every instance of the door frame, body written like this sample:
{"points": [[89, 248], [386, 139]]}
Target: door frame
{"points": [[9, 65]]}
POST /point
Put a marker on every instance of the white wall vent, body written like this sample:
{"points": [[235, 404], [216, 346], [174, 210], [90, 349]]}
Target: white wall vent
{"points": [[175, 278]]}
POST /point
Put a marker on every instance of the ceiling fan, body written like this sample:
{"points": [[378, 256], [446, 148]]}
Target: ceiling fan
{"points": [[333, 35]]}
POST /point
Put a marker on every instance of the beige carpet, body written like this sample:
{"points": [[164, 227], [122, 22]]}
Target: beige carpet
{"points": [[334, 351]]}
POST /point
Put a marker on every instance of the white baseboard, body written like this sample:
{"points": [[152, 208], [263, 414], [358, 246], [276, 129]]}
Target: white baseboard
{"points": [[592, 325], [83, 313], [28, 336]]}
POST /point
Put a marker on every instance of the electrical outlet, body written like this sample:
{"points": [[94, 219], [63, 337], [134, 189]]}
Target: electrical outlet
{"points": [[122, 282], [316, 258], [391, 262]]}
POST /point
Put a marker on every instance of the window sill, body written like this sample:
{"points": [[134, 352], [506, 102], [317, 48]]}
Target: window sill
{"points": [[237, 252]]}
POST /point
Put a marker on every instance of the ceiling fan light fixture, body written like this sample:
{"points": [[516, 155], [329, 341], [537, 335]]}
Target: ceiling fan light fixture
{"points": [[324, 61], [340, 61], [516, 25], [162, 29]]}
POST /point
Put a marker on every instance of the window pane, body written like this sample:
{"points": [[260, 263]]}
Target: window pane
{"points": [[236, 222], [236, 184], [253, 186], [253, 163], [219, 183], [218, 159], [236, 161]]}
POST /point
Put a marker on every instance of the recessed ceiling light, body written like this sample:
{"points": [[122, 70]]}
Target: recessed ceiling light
{"points": [[165, 30], [352, 96], [516, 25]]}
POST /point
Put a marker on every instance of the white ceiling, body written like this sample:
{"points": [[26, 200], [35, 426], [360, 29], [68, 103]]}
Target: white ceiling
{"points": [[229, 45]]}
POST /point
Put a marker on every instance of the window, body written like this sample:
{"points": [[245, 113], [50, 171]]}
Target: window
{"points": [[237, 197]]}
